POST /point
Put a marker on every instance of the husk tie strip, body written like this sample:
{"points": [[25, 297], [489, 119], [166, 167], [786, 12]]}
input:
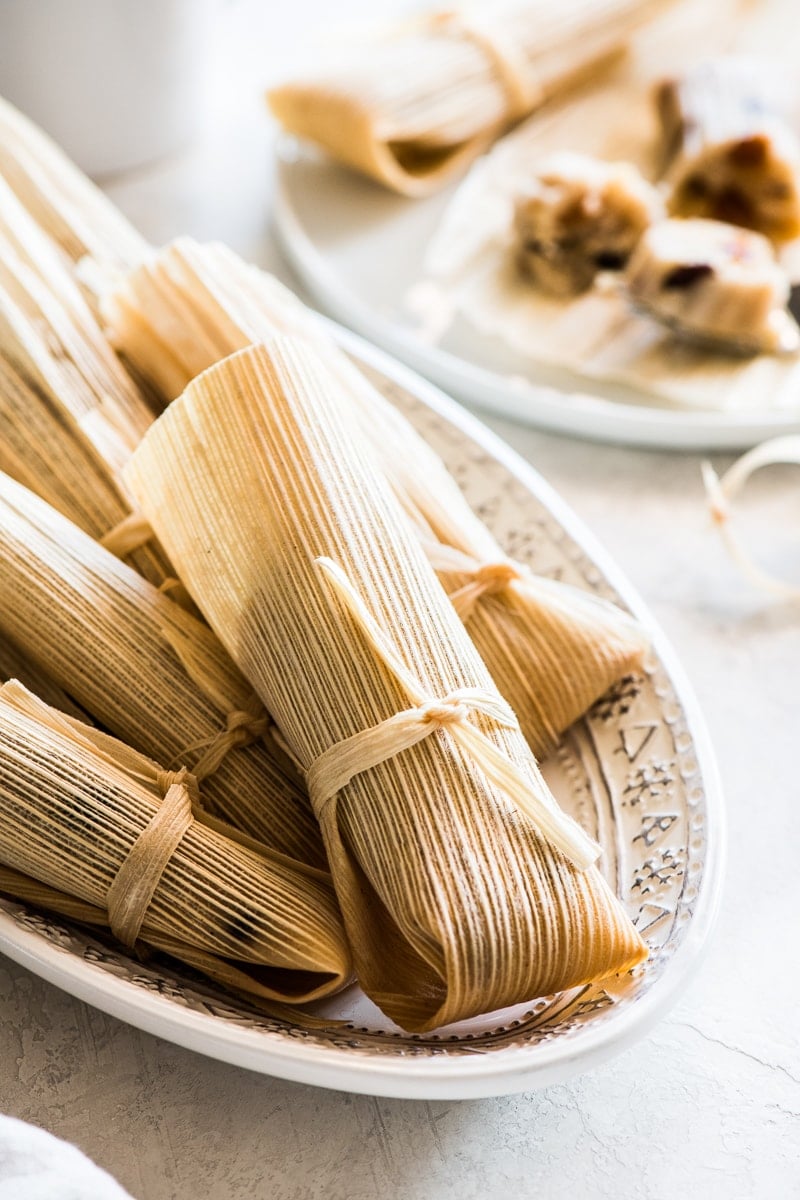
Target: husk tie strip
{"points": [[134, 886], [333, 769]]}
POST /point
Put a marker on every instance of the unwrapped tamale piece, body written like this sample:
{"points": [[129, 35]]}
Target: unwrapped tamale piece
{"points": [[84, 814], [417, 105], [552, 650], [60, 198], [442, 837], [730, 144], [147, 670], [576, 216], [715, 284]]}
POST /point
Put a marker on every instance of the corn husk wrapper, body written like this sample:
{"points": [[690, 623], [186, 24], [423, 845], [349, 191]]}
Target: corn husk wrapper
{"points": [[67, 206], [454, 899], [78, 809], [44, 448], [414, 107], [69, 413], [469, 267], [551, 649], [51, 336], [147, 670], [16, 665]]}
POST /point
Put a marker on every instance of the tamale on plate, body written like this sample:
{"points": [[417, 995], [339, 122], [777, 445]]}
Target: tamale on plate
{"points": [[463, 887]]}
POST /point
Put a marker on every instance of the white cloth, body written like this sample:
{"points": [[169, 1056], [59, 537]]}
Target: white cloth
{"points": [[34, 1165]]}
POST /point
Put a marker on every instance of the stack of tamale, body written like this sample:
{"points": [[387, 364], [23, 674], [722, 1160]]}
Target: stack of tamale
{"points": [[551, 649], [462, 886], [116, 840], [341, 708]]}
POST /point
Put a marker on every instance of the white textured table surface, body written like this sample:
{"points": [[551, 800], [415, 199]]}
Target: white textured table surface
{"points": [[709, 1105]]}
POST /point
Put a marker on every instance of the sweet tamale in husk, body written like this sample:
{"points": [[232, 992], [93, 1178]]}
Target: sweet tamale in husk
{"points": [[98, 823], [147, 670], [552, 650], [463, 886], [413, 107]]}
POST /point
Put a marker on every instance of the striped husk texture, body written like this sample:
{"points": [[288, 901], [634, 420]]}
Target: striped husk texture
{"points": [[416, 106], [75, 803], [16, 665], [50, 334], [552, 650], [453, 902], [147, 670], [60, 198], [70, 415]]}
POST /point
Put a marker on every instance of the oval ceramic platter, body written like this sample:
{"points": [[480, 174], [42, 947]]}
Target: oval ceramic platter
{"points": [[360, 252], [637, 772]]}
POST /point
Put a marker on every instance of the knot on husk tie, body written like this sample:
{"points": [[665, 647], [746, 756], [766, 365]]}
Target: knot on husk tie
{"points": [[128, 535], [136, 881], [337, 765], [506, 59], [242, 726], [488, 578]]}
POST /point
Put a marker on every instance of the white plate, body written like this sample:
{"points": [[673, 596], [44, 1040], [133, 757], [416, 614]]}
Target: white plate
{"points": [[359, 250], [638, 772]]}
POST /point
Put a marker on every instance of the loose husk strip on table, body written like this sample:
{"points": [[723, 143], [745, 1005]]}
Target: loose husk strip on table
{"points": [[415, 106], [87, 816], [268, 498], [147, 670], [722, 490], [63, 202], [551, 649]]}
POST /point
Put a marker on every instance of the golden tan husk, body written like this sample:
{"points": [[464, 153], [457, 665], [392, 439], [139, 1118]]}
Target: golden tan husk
{"points": [[453, 901], [413, 108], [69, 413], [75, 805], [149, 671], [552, 650]]}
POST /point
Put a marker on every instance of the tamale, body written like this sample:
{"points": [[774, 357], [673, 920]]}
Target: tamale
{"points": [[87, 816], [60, 198], [731, 152], [414, 107], [45, 448], [69, 413], [147, 670], [441, 834], [468, 274], [68, 359], [713, 284], [551, 649], [577, 216]]}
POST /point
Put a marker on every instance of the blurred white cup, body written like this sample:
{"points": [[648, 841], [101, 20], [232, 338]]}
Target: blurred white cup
{"points": [[117, 83]]}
